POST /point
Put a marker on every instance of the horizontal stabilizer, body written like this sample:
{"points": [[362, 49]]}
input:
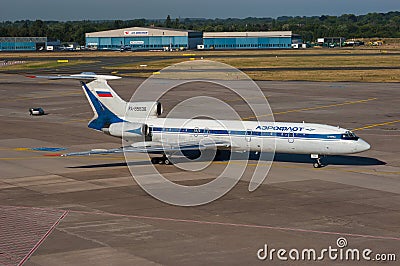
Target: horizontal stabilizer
{"points": [[82, 76]]}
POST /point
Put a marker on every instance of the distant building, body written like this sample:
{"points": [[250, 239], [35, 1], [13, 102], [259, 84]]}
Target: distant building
{"points": [[25, 43], [22, 43], [250, 40], [143, 38]]}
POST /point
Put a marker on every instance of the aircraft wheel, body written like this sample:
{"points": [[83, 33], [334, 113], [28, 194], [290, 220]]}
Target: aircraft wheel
{"points": [[161, 160], [317, 165]]}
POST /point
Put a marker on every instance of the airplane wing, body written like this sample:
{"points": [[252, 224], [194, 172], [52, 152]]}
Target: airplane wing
{"points": [[154, 147]]}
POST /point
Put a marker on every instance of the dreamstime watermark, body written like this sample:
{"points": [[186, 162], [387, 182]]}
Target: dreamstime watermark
{"points": [[205, 122], [340, 252]]}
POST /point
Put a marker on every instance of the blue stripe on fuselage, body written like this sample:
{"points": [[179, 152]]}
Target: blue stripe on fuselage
{"points": [[246, 133]]}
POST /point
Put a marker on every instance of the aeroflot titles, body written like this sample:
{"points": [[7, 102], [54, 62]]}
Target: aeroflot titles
{"points": [[276, 128]]}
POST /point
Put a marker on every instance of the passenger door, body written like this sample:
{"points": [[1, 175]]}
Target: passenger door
{"points": [[291, 137], [249, 132]]}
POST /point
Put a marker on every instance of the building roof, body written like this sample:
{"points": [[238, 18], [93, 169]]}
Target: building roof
{"points": [[247, 34], [139, 32]]}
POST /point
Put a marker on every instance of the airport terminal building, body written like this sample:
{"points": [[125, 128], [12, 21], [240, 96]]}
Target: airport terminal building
{"points": [[144, 38], [249, 40]]}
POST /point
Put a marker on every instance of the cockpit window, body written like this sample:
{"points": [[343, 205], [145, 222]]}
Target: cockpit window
{"points": [[349, 136]]}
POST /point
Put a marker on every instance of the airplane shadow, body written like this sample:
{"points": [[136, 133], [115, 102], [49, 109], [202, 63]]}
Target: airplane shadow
{"points": [[120, 164], [306, 158], [328, 160], [279, 157]]}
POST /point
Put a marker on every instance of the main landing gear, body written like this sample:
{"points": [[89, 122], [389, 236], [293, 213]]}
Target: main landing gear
{"points": [[161, 160], [317, 163]]}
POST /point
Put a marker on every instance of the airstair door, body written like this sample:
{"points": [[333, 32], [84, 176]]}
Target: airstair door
{"points": [[291, 137], [249, 132]]}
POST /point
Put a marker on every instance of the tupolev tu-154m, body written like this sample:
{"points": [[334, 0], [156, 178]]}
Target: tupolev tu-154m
{"points": [[140, 123]]}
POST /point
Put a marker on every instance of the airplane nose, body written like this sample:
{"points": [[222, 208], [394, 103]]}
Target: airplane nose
{"points": [[362, 145]]}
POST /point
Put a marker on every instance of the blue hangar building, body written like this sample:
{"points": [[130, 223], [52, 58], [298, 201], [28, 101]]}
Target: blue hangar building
{"points": [[144, 38], [22, 43], [153, 38], [249, 40]]}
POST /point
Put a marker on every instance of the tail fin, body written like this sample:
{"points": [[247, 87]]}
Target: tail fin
{"points": [[107, 106]]}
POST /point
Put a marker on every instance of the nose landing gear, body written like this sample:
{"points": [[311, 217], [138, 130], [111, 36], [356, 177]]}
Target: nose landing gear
{"points": [[317, 163]]}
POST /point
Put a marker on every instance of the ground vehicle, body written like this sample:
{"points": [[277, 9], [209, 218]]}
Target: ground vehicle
{"points": [[36, 111]]}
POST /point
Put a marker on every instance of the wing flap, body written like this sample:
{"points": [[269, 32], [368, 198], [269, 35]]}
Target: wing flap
{"points": [[153, 147]]}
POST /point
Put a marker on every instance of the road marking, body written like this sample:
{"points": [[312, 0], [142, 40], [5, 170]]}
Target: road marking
{"points": [[91, 157], [43, 97], [377, 125], [37, 245], [301, 166], [75, 120], [314, 108], [244, 99], [242, 163], [216, 223]]}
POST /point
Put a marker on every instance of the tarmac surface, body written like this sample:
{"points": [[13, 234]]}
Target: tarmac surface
{"points": [[90, 211]]}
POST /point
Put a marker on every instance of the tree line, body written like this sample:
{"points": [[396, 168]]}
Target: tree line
{"points": [[381, 25]]}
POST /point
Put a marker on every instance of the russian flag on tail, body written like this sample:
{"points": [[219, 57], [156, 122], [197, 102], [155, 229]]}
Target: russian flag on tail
{"points": [[104, 94]]}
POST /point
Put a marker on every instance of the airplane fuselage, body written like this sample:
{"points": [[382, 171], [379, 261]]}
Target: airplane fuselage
{"points": [[281, 137]]}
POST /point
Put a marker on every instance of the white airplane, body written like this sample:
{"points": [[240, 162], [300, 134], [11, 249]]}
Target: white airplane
{"points": [[139, 122]]}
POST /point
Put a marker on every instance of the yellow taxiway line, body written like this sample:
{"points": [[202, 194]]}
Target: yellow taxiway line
{"points": [[43, 97], [76, 120], [245, 99], [377, 125], [314, 108], [91, 157]]}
